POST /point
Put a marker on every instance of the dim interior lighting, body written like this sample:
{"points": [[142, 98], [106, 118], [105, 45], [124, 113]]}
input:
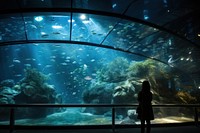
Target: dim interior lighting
{"points": [[56, 26], [198, 35], [39, 18], [83, 16], [146, 14], [114, 5], [170, 42], [71, 20], [199, 87]]}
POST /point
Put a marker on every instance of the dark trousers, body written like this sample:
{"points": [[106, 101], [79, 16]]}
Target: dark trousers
{"points": [[148, 125]]}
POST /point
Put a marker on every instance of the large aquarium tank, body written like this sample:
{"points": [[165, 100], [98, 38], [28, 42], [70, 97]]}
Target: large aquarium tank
{"points": [[88, 52]]}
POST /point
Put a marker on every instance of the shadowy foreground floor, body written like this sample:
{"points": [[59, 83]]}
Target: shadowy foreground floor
{"points": [[180, 129]]}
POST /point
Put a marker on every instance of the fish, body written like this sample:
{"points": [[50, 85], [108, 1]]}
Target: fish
{"points": [[93, 60], [67, 60], [145, 50], [94, 74], [11, 65], [63, 53], [33, 26], [27, 65], [53, 57], [80, 49], [18, 75], [88, 78], [118, 33], [110, 27], [47, 66], [56, 33], [16, 61], [53, 60], [85, 67], [36, 44], [44, 35], [28, 59], [64, 64]]}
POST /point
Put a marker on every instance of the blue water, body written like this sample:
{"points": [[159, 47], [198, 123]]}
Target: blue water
{"points": [[71, 68]]}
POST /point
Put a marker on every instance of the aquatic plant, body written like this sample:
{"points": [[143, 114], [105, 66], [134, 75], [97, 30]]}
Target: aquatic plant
{"points": [[115, 71], [142, 69]]}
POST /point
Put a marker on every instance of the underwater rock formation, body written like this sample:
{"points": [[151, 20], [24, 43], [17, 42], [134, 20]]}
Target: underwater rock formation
{"points": [[31, 89], [100, 94], [124, 94], [34, 89], [131, 117], [7, 94], [110, 93], [7, 83]]}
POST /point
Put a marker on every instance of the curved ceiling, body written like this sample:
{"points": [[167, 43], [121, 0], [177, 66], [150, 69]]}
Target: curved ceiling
{"points": [[164, 30]]}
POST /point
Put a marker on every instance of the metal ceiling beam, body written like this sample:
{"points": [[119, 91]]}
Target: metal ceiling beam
{"points": [[27, 42]]}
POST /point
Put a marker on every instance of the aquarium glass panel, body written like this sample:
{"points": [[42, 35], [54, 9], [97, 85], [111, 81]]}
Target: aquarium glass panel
{"points": [[91, 28], [50, 73], [126, 116], [5, 112], [11, 28], [173, 115], [61, 117], [127, 34], [47, 26]]}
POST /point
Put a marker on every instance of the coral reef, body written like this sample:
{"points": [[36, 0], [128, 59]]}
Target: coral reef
{"points": [[100, 94], [7, 95], [31, 89], [124, 93], [114, 72], [126, 83], [8, 83]]}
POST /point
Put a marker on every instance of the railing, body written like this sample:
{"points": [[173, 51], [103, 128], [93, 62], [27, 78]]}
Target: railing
{"points": [[113, 106]]}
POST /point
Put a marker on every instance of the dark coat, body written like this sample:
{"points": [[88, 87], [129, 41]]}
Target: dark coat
{"points": [[144, 110]]}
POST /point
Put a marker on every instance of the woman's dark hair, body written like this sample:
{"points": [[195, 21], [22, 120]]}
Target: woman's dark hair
{"points": [[145, 86]]}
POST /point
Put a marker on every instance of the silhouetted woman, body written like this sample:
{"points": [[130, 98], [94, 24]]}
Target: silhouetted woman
{"points": [[144, 110]]}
